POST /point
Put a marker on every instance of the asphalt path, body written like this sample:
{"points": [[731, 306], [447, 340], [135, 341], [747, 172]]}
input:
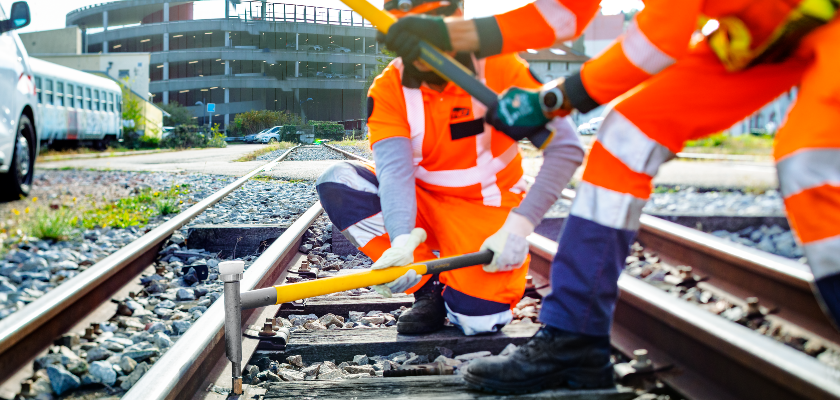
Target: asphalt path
{"points": [[711, 174]]}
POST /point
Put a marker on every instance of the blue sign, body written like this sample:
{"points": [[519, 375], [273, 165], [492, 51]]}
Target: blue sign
{"points": [[211, 107]]}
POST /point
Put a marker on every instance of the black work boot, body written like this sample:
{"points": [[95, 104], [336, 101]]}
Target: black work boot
{"points": [[551, 358], [428, 312]]}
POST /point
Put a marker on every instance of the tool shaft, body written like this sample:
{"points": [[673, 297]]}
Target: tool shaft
{"points": [[440, 62], [302, 290]]}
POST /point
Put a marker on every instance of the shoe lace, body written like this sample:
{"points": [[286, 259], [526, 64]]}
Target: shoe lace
{"points": [[538, 345]]}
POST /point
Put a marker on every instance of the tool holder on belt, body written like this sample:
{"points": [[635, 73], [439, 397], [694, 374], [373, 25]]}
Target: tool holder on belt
{"points": [[231, 272]]}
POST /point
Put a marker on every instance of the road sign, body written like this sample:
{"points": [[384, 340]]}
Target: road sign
{"points": [[211, 107]]}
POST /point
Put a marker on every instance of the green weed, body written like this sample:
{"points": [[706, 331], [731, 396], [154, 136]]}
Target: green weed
{"points": [[722, 143], [167, 206], [55, 225], [133, 211]]}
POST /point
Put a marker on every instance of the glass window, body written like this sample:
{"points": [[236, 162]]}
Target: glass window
{"points": [[59, 93], [79, 99], [87, 99], [111, 102], [38, 88], [48, 90], [71, 100], [119, 104], [96, 100]]}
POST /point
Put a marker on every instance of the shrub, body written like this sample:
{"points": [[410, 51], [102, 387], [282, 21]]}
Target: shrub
{"points": [[256, 120], [184, 137], [178, 114], [52, 225], [328, 130], [216, 138]]}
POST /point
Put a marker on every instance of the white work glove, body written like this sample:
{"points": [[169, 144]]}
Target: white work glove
{"points": [[401, 253], [509, 245]]}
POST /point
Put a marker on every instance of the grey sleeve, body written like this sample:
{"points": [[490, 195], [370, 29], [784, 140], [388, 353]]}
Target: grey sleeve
{"points": [[395, 172], [561, 158]]}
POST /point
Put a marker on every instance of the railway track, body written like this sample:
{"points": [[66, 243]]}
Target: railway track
{"points": [[701, 355]]}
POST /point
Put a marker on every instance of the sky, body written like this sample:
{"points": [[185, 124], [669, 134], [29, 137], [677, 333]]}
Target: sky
{"points": [[50, 14]]}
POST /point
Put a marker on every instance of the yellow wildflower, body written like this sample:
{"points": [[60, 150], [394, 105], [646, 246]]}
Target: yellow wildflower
{"points": [[26, 211], [34, 199], [14, 210], [74, 199]]}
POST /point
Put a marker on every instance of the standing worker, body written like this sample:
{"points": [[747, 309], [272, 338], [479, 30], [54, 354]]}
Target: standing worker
{"points": [[446, 183], [683, 89]]}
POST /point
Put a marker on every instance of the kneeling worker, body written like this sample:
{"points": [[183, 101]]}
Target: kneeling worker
{"points": [[447, 183]]}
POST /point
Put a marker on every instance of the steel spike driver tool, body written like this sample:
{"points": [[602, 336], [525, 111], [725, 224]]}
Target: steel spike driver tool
{"points": [[231, 273], [444, 65]]}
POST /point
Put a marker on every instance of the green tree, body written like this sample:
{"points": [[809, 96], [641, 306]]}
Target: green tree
{"points": [[132, 115], [178, 114]]}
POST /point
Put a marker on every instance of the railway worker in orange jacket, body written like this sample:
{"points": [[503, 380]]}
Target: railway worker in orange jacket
{"points": [[446, 183], [666, 84]]}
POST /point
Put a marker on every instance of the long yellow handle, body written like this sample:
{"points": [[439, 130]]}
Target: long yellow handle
{"points": [[320, 287], [380, 19]]}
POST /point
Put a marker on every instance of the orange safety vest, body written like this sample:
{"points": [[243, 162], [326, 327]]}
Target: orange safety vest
{"points": [[454, 151]]}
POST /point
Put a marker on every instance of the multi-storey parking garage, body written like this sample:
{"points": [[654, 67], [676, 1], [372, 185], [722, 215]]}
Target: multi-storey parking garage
{"points": [[267, 56]]}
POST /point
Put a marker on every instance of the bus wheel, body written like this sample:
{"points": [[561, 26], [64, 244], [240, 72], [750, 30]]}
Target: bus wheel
{"points": [[18, 179]]}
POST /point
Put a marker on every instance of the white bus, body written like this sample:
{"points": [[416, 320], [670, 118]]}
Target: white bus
{"points": [[75, 106], [18, 136]]}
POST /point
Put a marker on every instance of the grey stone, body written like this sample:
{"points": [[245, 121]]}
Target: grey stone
{"points": [[290, 375], [98, 353], [127, 364], [361, 359], [330, 375], [103, 372], [142, 355], [34, 264], [134, 376], [360, 369], [185, 294], [180, 327], [162, 341], [268, 376], [296, 360], [62, 380], [156, 327]]}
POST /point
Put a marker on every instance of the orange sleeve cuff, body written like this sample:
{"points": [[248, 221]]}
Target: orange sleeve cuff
{"points": [[524, 28]]}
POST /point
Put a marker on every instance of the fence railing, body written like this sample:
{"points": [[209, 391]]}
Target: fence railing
{"points": [[253, 10]]}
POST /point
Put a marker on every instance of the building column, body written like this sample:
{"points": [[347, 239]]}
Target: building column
{"points": [[165, 97], [364, 76], [297, 41], [227, 116], [105, 26], [297, 69], [376, 49], [364, 46], [262, 68], [165, 12]]}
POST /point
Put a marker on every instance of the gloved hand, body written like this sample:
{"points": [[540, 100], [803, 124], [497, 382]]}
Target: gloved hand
{"points": [[517, 113], [509, 245], [401, 253], [404, 35]]}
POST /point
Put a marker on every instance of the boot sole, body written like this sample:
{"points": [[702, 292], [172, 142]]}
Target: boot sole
{"points": [[572, 378], [412, 328]]}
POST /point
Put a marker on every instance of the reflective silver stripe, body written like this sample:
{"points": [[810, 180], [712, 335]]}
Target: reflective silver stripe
{"points": [[415, 112], [469, 176], [346, 175], [365, 230], [807, 169], [824, 256], [630, 145], [473, 325], [642, 52], [561, 20], [606, 207]]}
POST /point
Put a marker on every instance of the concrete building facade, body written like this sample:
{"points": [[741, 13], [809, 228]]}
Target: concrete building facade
{"points": [[261, 56]]}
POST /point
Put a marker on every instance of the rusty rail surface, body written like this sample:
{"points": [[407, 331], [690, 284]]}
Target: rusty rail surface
{"points": [[32, 329], [713, 358]]}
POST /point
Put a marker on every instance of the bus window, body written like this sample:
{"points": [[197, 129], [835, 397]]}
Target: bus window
{"points": [[96, 100], [59, 93], [38, 88], [79, 99], [103, 100], [87, 99], [48, 90], [111, 102], [71, 100]]}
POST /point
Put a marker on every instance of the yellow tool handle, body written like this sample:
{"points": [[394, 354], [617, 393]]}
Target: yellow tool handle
{"points": [[335, 284], [380, 19]]}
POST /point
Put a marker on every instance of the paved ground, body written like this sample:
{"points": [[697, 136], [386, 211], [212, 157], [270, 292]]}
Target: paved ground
{"points": [[759, 174]]}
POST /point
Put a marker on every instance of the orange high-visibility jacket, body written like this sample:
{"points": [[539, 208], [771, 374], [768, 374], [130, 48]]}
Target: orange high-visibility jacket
{"points": [[662, 33], [455, 151], [537, 25]]}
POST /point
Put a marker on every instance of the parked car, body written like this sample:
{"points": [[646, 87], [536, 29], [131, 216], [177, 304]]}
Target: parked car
{"points": [[343, 49], [272, 135], [252, 138], [341, 76], [591, 127], [290, 46], [316, 48], [19, 140], [329, 76]]}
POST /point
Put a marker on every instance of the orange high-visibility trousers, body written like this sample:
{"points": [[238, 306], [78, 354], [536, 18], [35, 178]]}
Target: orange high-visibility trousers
{"points": [[696, 97], [476, 301]]}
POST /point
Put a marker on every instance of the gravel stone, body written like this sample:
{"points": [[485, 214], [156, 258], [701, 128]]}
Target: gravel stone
{"points": [[104, 372], [62, 380]]}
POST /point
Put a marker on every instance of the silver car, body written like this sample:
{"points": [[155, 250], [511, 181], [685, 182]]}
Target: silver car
{"points": [[18, 134]]}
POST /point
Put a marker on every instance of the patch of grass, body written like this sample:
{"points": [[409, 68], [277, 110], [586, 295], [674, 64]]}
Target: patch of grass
{"points": [[133, 211], [47, 224], [722, 143], [265, 150]]}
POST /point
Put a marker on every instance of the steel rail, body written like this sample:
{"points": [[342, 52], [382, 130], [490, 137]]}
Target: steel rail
{"points": [[781, 285], [33, 328], [179, 373], [348, 154], [713, 358]]}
